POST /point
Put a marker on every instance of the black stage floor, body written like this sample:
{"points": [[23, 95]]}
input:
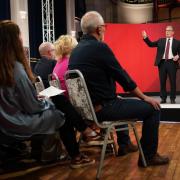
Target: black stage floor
{"points": [[170, 112]]}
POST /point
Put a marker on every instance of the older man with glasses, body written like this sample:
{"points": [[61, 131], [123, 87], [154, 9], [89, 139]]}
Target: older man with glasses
{"points": [[101, 71]]}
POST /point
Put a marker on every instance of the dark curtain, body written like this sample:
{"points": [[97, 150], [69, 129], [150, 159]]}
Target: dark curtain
{"points": [[35, 26], [35, 19], [60, 17], [35, 23], [80, 8], [5, 12]]}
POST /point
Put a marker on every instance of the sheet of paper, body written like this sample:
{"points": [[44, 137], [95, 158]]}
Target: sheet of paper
{"points": [[51, 91]]}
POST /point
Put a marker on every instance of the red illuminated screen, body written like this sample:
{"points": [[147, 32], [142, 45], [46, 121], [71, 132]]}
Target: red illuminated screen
{"points": [[134, 55]]}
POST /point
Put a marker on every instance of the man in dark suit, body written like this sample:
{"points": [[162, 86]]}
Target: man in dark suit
{"points": [[168, 52], [47, 62]]}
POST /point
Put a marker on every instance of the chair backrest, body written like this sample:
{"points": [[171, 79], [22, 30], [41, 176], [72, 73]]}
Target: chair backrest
{"points": [[54, 80], [39, 86], [79, 95]]}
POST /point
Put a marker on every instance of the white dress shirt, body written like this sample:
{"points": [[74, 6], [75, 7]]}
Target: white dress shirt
{"points": [[170, 56]]}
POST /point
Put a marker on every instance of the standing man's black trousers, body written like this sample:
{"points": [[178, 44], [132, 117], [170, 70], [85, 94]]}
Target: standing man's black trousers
{"points": [[167, 68]]}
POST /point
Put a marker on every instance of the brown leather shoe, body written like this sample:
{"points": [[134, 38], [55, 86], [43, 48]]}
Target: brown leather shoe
{"points": [[155, 161], [129, 148]]}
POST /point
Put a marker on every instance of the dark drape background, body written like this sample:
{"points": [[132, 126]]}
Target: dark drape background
{"points": [[35, 19], [35, 26], [60, 17], [5, 9], [80, 8], [35, 23]]}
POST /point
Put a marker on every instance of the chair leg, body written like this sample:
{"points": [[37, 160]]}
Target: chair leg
{"points": [[139, 145], [114, 144], [103, 152]]}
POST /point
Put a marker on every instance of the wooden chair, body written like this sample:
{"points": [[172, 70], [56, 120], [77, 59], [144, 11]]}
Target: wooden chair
{"points": [[80, 98]]}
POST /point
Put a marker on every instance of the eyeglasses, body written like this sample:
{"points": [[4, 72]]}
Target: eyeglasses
{"points": [[103, 25]]}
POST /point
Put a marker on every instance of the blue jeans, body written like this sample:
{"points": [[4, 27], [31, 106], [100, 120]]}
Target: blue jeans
{"points": [[118, 109]]}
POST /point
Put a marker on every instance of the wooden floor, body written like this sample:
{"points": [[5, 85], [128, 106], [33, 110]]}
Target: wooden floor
{"points": [[122, 168]]}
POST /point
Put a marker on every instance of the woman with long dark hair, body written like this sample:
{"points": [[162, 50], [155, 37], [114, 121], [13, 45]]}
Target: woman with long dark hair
{"points": [[22, 114]]}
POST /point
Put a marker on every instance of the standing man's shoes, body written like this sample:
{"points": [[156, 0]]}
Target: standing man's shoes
{"points": [[157, 160], [173, 101], [163, 101]]}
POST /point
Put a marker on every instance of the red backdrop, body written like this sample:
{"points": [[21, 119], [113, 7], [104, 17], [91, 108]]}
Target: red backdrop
{"points": [[134, 55]]}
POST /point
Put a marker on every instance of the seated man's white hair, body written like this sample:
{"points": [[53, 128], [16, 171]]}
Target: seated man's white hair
{"points": [[45, 47], [90, 21]]}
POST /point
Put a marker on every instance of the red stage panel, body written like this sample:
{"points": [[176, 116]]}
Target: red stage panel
{"points": [[134, 55]]}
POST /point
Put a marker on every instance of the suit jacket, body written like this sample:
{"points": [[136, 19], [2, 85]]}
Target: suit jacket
{"points": [[43, 68], [160, 44]]}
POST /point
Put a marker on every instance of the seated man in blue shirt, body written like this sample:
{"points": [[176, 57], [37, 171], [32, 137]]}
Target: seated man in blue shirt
{"points": [[101, 70]]}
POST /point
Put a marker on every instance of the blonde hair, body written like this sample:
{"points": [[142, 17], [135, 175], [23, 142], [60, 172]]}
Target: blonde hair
{"points": [[64, 45]]}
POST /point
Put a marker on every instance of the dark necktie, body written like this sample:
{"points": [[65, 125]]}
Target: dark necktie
{"points": [[167, 50]]}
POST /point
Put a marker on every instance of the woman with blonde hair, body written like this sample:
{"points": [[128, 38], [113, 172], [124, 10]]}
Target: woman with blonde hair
{"points": [[63, 47]]}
